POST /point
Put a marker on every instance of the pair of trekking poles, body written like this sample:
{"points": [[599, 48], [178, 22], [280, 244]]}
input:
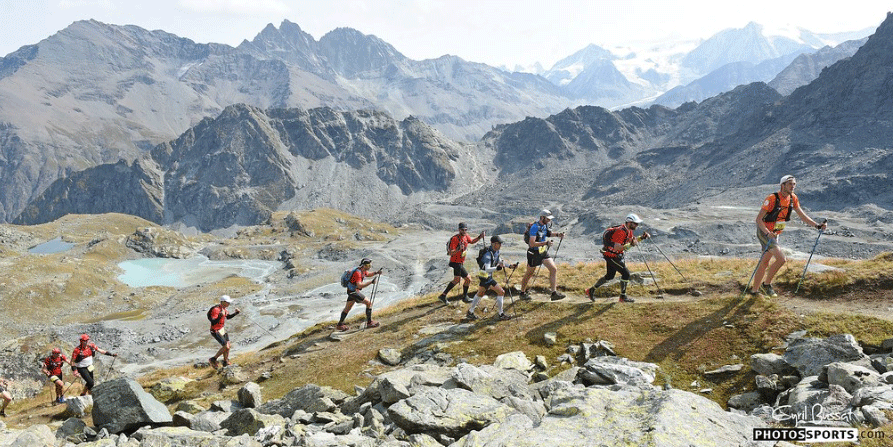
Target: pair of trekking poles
{"points": [[805, 268], [372, 295]]}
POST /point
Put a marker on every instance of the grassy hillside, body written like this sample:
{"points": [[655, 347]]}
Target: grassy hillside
{"points": [[700, 323]]}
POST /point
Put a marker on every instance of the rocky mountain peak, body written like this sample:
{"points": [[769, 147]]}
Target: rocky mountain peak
{"points": [[352, 53]]}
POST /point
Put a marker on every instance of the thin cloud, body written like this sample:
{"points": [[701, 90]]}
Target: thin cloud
{"points": [[227, 7], [69, 4]]}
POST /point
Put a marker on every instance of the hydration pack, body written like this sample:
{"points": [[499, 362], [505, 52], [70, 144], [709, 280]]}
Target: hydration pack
{"points": [[527, 233], [773, 216], [480, 258], [214, 320], [345, 277], [607, 235]]}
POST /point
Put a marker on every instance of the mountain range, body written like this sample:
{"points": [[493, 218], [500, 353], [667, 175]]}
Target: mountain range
{"points": [[121, 98]]}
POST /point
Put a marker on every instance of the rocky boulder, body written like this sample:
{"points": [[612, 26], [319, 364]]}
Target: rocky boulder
{"points": [[450, 412], [616, 370], [641, 417], [160, 243], [810, 355], [122, 405]]}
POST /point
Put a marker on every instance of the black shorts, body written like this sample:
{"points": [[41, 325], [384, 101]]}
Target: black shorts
{"points": [[222, 339], [488, 282], [535, 258], [459, 269], [356, 296]]}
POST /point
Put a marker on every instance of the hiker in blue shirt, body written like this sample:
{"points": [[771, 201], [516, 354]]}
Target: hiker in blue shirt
{"points": [[538, 254]]}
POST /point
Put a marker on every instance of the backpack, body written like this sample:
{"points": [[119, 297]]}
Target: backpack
{"points": [[345, 277], [527, 233], [214, 320], [773, 216], [480, 258], [608, 234], [449, 241]]}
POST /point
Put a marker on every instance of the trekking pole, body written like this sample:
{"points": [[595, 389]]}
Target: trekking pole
{"points": [[747, 287], [258, 325], [508, 289], [372, 295], [375, 289], [821, 231], [691, 288], [668, 260], [109, 371], [70, 385], [660, 293]]}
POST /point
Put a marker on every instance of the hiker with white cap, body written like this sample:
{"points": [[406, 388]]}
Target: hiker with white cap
{"points": [[771, 220], [538, 254], [218, 316], [615, 241]]}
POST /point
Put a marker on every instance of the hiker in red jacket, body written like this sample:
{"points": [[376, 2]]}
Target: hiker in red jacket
{"points": [[52, 367], [82, 361], [616, 241], [355, 296], [218, 316]]}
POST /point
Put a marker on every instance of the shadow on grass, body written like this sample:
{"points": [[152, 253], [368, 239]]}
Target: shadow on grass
{"points": [[674, 346]]}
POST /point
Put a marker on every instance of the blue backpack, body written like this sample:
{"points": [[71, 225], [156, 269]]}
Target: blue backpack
{"points": [[345, 277]]}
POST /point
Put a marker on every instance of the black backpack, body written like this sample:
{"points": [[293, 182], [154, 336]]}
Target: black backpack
{"points": [[480, 257], [219, 316], [773, 216], [527, 233], [608, 234]]}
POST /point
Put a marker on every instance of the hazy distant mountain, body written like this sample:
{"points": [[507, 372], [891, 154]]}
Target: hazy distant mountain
{"points": [[740, 45], [806, 67], [724, 79], [590, 75], [833, 133]]}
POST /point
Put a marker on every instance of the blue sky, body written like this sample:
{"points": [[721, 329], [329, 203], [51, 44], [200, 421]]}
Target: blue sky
{"points": [[498, 32]]}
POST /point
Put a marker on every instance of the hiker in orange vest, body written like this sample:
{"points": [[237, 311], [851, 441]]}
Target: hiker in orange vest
{"points": [[771, 220]]}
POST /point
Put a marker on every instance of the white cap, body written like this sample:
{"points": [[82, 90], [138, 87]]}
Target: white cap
{"points": [[226, 299], [547, 214], [786, 179], [632, 217]]}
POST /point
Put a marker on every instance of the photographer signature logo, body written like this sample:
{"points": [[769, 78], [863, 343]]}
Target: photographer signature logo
{"points": [[811, 414]]}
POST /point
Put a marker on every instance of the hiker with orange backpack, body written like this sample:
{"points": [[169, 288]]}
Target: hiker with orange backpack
{"points": [[82, 361], [354, 285], [615, 241], [52, 367], [218, 316], [457, 248], [771, 220]]}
